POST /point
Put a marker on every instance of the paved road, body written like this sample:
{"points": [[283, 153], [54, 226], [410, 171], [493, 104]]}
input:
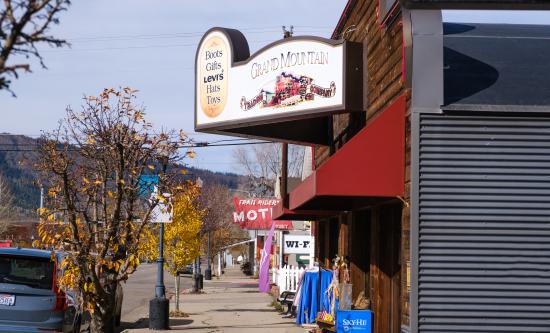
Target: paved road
{"points": [[140, 288]]}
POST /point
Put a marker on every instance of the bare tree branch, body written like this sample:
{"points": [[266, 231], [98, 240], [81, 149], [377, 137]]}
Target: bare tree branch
{"points": [[24, 24], [262, 164]]}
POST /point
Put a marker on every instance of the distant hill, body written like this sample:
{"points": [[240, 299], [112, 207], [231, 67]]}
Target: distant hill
{"points": [[16, 165], [228, 179], [17, 156]]}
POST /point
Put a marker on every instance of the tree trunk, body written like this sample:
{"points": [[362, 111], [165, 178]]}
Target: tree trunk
{"points": [[177, 292], [103, 322], [103, 319]]}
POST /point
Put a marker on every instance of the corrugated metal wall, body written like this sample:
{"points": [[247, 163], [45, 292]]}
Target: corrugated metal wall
{"points": [[484, 224]]}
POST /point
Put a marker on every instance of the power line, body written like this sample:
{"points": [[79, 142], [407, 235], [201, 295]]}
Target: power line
{"points": [[136, 47], [190, 134], [197, 143], [145, 37], [190, 34], [202, 145], [114, 48]]}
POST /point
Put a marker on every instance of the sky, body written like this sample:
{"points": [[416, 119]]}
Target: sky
{"points": [[150, 45]]}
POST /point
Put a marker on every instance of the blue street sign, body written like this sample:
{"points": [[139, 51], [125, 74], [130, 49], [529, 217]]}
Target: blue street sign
{"points": [[147, 184]]}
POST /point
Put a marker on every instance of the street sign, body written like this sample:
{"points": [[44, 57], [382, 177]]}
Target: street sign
{"points": [[162, 213], [148, 184], [297, 244]]}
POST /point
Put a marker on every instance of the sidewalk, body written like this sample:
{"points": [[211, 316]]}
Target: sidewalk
{"points": [[230, 304]]}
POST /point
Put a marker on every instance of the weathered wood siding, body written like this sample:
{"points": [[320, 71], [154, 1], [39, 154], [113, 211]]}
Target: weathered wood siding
{"points": [[382, 75]]}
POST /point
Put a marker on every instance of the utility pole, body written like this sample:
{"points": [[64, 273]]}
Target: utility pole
{"points": [[41, 197], [284, 169], [41, 207], [284, 146]]}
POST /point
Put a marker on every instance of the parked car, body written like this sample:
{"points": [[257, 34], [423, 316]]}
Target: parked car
{"points": [[29, 298], [188, 269]]}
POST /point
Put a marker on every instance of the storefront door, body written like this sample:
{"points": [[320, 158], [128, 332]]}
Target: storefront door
{"points": [[385, 268]]}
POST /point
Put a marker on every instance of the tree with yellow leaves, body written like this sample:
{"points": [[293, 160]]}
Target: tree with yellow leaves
{"points": [[98, 211], [181, 236]]}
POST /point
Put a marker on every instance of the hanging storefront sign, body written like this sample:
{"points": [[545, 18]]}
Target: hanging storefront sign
{"points": [[299, 77], [257, 213], [297, 244]]}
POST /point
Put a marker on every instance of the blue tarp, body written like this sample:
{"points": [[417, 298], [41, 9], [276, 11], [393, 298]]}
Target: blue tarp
{"points": [[309, 295]]}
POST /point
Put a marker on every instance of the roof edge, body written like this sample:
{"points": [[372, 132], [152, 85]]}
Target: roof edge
{"points": [[343, 18], [477, 4]]}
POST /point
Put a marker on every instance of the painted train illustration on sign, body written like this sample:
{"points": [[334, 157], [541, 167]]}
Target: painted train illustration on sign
{"points": [[289, 89]]}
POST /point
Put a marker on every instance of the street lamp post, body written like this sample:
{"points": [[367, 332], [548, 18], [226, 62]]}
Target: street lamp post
{"points": [[197, 278], [208, 270], [159, 306], [160, 290]]}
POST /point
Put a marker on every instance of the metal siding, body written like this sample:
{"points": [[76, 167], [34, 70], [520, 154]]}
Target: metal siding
{"points": [[484, 224]]}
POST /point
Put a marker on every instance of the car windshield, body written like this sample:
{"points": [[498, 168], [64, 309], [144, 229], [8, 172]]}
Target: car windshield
{"points": [[29, 271]]}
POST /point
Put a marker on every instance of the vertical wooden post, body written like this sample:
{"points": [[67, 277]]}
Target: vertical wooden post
{"points": [[284, 174], [284, 148]]}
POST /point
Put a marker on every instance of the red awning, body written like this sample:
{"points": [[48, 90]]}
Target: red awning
{"points": [[368, 169]]}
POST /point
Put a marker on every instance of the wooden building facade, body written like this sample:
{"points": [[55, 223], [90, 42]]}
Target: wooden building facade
{"points": [[374, 238], [448, 255]]}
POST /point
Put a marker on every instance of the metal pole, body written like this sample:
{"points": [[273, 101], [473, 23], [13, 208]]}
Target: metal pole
{"points": [[281, 246], [159, 307], [198, 275], [201, 277], [41, 197], [208, 271], [255, 268], [160, 290]]}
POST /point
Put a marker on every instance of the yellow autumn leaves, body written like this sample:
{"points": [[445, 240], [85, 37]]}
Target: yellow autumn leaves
{"points": [[181, 237]]}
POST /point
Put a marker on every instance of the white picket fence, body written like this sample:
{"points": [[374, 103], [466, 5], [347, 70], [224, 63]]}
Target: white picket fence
{"points": [[287, 277]]}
